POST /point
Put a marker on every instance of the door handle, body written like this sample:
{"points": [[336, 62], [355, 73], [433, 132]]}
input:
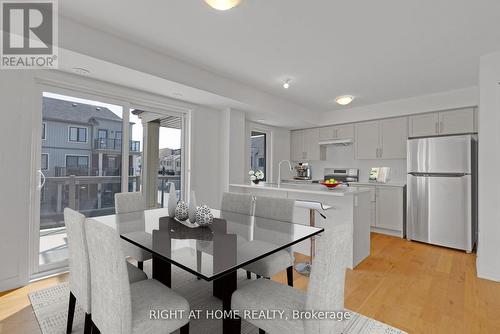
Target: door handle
{"points": [[42, 179]]}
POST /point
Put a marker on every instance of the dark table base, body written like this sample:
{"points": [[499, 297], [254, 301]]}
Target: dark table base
{"points": [[223, 288]]}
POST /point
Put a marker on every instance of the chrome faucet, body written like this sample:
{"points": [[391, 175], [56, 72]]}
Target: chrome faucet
{"points": [[279, 170]]}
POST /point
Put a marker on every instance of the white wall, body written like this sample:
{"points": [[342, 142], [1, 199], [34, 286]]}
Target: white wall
{"points": [[206, 156], [488, 263], [460, 98]]}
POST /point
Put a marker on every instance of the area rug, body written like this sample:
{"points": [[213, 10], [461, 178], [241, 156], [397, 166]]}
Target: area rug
{"points": [[51, 306]]}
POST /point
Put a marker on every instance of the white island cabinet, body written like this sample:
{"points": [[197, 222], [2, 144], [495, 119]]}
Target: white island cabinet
{"points": [[349, 206]]}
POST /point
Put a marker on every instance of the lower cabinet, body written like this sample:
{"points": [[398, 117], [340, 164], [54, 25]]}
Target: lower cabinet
{"points": [[387, 209], [390, 208]]}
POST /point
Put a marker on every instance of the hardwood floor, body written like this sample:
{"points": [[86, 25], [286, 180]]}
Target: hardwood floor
{"points": [[416, 287]]}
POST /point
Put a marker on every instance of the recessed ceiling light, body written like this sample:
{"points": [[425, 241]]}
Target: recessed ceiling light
{"points": [[223, 4], [344, 99], [286, 83], [81, 70]]}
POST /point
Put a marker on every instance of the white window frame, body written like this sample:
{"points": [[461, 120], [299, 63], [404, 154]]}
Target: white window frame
{"points": [[269, 152], [78, 127]]}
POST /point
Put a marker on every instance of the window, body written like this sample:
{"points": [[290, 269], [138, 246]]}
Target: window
{"points": [[77, 134], [258, 154], [118, 135], [45, 161], [77, 161], [44, 130], [102, 134]]}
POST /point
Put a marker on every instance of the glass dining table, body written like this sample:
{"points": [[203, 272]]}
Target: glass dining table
{"points": [[212, 253]]}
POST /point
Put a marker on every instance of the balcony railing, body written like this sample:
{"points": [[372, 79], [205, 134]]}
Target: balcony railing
{"points": [[91, 195], [115, 144]]}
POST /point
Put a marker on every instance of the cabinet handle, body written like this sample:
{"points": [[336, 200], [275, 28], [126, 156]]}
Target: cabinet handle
{"points": [[441, 127], [436, 130]]}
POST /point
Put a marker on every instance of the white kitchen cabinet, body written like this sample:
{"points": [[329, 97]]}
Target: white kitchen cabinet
{"points": [[304, 145], [443, 123], [344, 131], [297, 145], [424, 125], [336, 132], [384, 139], [311, 144], [389, 208], [367, 141], [393, 137], [456, 121], [327, 133]]}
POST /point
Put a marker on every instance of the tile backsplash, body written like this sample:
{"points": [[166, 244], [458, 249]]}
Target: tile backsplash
{"points": [[343, 157]]}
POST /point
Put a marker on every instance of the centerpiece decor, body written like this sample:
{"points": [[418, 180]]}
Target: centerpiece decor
{"points": [[256, 176], [181, 211], [204, 216]]}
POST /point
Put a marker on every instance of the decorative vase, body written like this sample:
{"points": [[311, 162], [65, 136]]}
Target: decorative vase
{"points": [[204, 216], [256, 181], [172, 200], [181, 211], [192, 208]]}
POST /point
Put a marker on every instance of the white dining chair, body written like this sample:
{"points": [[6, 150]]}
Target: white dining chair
{"points": [[122, 308], [79, 269], [232, 203], [274, 208], [128, 204], [325, 291]]}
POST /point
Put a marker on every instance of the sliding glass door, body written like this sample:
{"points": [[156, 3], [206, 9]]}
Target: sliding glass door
{"points": [[80, 167], [88, 151]]}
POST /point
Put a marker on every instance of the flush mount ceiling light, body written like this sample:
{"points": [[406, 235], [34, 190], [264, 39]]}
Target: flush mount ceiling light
{"points": [[286, 83], [344, 99], [223, 4]]}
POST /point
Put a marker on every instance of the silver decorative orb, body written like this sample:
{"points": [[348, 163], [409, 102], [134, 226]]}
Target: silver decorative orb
{"points": [[204, 216], [181, 211]]}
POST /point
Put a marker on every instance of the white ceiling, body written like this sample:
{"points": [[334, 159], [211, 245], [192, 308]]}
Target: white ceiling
{"points": [[376, 50]]}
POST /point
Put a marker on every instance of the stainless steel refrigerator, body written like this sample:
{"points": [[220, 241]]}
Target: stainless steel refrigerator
{"points": [[442, 191]]}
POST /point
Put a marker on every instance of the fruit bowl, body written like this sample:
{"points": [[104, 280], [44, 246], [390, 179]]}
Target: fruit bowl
{"points": [[330, 185]]}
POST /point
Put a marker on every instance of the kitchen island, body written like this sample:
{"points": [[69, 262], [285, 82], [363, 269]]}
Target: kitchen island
{"points": [[349, 205]]}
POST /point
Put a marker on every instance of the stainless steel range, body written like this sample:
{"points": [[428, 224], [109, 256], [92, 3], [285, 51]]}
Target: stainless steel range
{"points": [[345, 175]]}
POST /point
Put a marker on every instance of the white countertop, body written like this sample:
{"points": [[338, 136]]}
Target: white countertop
{"points": [[316, 189], [388, 184]]}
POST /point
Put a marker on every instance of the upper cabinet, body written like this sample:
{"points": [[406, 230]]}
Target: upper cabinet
{"points": [[424, 125], [384, 139], [305, 145], [456, 121], [367, 142], [393, 136], [443, 123], [336, 132]]}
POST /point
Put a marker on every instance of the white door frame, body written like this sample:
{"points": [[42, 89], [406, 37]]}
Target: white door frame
{"points": [[79, 87]]}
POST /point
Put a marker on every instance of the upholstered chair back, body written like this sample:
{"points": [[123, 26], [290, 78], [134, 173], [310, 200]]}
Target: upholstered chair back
{"points": [[325, 291], [79, 268], [274, 208], [237, 203], [111, 298], [129, 202]]}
